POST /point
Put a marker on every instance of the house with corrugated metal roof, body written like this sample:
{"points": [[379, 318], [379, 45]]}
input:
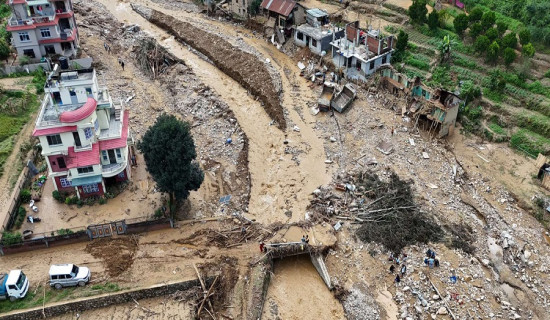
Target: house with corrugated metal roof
{"points": [[283, 11], [85, 137]]}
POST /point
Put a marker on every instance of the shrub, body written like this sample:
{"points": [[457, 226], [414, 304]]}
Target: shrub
{"points": [[501, 27], [530, 142], [418, 11], [25, 195], [481, 44], [510, 41], [492, 52], [528, 50], [102, 200], [158, 213], [9, 238], [433, 20], [58, 196], [492, 34], [64, 232], [488, 20], [24, 60]]}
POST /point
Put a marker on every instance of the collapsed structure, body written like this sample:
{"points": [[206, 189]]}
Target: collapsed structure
{"points": [[437, 108], [83, 134], [361, 52], [317, 33]]}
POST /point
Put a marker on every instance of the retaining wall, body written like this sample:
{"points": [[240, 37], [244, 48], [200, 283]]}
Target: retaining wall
{"points": [[103, 300]]}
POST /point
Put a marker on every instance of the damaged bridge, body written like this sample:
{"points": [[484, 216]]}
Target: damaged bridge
{"points": [[289, 249]]}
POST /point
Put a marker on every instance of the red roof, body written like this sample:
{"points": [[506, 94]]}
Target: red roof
{"points": [[79, 114], [56, 40], [49, 131], [83, 158], [282, 7], [118, 142]]}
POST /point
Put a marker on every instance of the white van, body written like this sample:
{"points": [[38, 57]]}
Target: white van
{"points": [[68, 275]]}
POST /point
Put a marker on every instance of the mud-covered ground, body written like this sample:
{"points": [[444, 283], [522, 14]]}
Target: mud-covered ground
{"points": [[505, 276]]}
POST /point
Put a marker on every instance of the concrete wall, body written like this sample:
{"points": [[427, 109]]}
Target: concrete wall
{"points": [[104, 300], [449, 122]]}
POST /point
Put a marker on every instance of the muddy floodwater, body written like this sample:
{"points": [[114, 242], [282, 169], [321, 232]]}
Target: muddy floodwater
{"points": [[297, 292]]}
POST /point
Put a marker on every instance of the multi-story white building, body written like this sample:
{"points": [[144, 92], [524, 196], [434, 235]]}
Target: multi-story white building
{"points": [[84, 135], [43, 27]]}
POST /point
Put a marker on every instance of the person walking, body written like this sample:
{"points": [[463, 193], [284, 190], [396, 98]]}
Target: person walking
{"points": [[122, 64], [392, 268], [262, 246], [397, 279], [403, 270]]}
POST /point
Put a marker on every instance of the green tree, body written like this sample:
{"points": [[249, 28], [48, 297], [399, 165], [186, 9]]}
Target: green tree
{"points": [[254, 7], [475, 14], [402, 41], [4, 49], [444, 16], [433, 20], [528, 50], [169, 153], [492, 34], [509, 55], [501, 27], [510, 40], [475, 30], [492, 52], [481, 44], [418, 11], [488, 20], [445, 47], [461, 23], [469, 91], [524, 36]]}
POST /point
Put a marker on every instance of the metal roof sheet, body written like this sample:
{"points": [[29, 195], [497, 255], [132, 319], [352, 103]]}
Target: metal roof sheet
{"points": [[76, 182], [317, 13], [79, 114], [282, 7]]}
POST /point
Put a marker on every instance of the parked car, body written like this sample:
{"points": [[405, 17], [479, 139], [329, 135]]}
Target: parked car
{"points": [[13, 285], [68, 275]]}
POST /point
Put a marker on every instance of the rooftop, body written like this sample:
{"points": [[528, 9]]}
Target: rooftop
{"points": [[60, 269], [83, 158], [317, 32], [282, 7], [349, 48], [317, 13]]}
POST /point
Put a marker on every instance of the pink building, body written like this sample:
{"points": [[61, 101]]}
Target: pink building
{"points": [[85, 137]]}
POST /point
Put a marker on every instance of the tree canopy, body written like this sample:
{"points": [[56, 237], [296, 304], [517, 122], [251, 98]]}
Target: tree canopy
{"points": [[528, 50], [475, 14], [492, 34], [488, 20], [509, 55], [501, 27], [169, 153], [433, 20], [510, 40], [492, 52], [4, 49], [481, 44], [418, 11], [524, 36], [461, 23], [402, 41], [475, 30]]}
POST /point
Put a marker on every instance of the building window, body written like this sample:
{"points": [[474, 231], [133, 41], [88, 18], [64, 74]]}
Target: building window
{"points": [[96, 125], [314, 43], [24, 37], [384, 59], [29, 53], [371, 67], [85, 169], [118, 153], [88, 133], [54, 140], [90, 188], [104, 155], [300, 36], [50, 49], [61, 163], [89, 92], [45, 33], [64, 182]]}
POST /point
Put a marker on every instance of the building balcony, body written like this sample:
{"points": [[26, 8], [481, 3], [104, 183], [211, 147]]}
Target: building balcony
{"points": [[67, 35], [111, 170], [82, 148]]}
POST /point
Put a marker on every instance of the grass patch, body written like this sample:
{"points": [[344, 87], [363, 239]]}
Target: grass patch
{"points": [[493, 95], [418, 61], [53, 295], [530, 143], [496, 128], [441, 77], [536, 123]]}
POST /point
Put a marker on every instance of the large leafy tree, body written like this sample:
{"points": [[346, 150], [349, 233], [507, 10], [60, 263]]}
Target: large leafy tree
{"points": [[169, 153], [510, 40], [475, 14], [488, 20], [501, 27], [461, 23], [418, 11], [433, 20], [524, 36], [4, 49], [492, 34], [475, 30], [481, 44], [492, 52], [509, 55]]}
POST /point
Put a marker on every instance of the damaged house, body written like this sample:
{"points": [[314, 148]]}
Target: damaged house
{"points": [[435, 109], [283, 16], [317, 33], [359, 53]]}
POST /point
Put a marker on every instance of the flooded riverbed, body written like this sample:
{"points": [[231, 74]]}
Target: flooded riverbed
{"points": [[297, 292]]}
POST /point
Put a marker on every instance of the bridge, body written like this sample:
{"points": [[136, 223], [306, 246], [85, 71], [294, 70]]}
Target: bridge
{"points": [[289, 249]]}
